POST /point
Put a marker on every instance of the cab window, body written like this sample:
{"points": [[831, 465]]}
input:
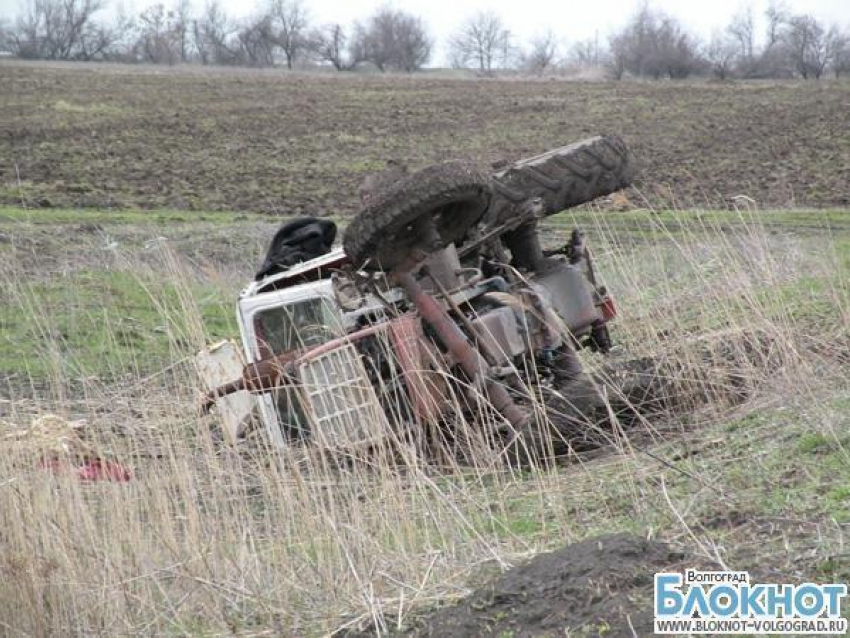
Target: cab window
{"points": [[296, 326]]}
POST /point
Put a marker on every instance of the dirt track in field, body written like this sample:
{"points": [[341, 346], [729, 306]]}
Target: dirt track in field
{"points": [[122, 137]]}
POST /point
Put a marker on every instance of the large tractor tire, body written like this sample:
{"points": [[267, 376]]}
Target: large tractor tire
{"points": [[563, 177], [452, 195]]}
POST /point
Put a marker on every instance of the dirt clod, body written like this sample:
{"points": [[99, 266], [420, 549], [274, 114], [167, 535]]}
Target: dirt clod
{"points": [[600, 586]]}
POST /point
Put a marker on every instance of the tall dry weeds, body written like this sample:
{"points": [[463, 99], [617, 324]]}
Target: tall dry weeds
{"points": [[211, 539]]}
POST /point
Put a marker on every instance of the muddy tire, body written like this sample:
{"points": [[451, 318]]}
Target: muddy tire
{"points": [[564, 177], [454, 195]]}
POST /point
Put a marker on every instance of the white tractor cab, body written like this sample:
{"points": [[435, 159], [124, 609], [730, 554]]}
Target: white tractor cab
{"points": [[442, 291], [298, 311]]}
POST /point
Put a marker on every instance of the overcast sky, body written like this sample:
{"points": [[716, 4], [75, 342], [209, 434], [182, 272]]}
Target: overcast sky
{"points": [[571, 20]]}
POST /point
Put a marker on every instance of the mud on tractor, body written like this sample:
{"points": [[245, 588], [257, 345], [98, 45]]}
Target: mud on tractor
{"points": [[442, 298]]}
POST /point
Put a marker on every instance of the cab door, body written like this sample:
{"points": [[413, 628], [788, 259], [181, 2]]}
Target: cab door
{"points": [[292, 320]]}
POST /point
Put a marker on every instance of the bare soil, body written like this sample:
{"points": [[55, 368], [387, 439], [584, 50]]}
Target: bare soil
{"points": [[127, 137], [601, 586]]}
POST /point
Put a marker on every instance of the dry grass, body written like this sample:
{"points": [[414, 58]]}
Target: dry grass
{"points": [[209, 540]]}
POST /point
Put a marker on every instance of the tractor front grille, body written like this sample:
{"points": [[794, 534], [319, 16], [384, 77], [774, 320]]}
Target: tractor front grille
{"points": [[342, 404]]}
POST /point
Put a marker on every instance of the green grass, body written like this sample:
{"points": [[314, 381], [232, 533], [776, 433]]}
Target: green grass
{"points": [[49, 216], [756, 486], [635, 220], [103, 323], [673, 221], [775, 465]]}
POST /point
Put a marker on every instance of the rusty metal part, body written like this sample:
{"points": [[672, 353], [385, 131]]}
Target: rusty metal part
{"points": [[470, 360], [413, 260], [272, 372], [484, 341], [498, 331], [528, 214], [339, 341], [441, 269], [256, 377], [566, 288], [607, 306], [426, 396], [490, 356]]}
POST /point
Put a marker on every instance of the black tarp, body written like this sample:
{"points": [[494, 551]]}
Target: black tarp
{"points": [[295, 241]]}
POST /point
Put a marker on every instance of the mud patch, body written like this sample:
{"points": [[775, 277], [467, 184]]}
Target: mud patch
{"points": [[623, 395], [597, 587]]}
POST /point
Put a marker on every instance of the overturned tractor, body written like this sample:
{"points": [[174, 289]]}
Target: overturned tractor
{"points": [[441, 299]]}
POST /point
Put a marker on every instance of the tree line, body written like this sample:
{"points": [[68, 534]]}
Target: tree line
{"points": [[651, 44], [279, 33]]}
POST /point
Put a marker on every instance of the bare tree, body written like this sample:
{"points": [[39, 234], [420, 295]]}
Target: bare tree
{"points": [[200, 42], [413, 42], [331, 44], [213, 36], [75, 18], [256, 42], [181, 20], [32, 32], [542, 52], [653, 44], [101, 41], [586, 53], [57, 30], [808, 45], [677, 51], [774, 58], [635, 47], [289, 22], [720, 54], [391, 38], [742, 29], [839, 51], [114, 40], [5, 36], [377, 38], [640, 41], [618, 52], [159, 38], [776, 15], [482, 41]]}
